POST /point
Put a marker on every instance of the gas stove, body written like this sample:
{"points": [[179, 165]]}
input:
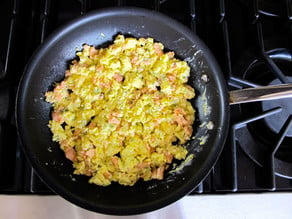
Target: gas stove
{"points": [[252, 42]]}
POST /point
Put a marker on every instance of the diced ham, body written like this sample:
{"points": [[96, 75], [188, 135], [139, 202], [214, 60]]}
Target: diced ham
{"points": [[104, 85], [92, 51], [70, 154], [188, 130], [157, 49], [56, 116], [114, 120], [88, 173], [180, 120], [118, 77], [115, 161], [170, 54], [67, 73], [107, 174], [134, 59], [170, 77], [90, 153], [158, 173], [168, 157], [179, 111], [99, 68], [86, 47], [143, 165], [92, 125]]}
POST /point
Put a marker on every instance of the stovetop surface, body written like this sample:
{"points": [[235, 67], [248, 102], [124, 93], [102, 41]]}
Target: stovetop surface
{"points": [[251, 41]]}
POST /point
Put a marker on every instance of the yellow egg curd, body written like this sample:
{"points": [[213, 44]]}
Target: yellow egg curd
{"points": [[122, 113]]}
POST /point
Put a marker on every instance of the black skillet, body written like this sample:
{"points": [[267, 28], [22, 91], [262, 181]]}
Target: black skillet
{"points": [[48, 65]]}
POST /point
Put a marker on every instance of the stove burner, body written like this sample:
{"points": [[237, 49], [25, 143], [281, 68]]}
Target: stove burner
{"points": [[276, 121], [267, 136]]}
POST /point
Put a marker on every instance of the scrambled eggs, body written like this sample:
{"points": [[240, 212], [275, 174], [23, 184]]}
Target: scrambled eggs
{"points": [[122, 113]]}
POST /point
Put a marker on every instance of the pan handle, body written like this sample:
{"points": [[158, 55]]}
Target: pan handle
{"points": [[260, 93]]}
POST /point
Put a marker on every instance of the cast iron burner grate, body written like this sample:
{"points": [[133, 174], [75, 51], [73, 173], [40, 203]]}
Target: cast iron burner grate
{"points": [[266, 135], [271, 123]]}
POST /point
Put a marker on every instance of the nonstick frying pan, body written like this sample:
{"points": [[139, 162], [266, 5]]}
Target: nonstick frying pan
{"points": [[98, 28]]}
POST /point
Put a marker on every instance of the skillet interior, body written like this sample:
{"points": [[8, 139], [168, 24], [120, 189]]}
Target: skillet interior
{"points": [[48, 66]]}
